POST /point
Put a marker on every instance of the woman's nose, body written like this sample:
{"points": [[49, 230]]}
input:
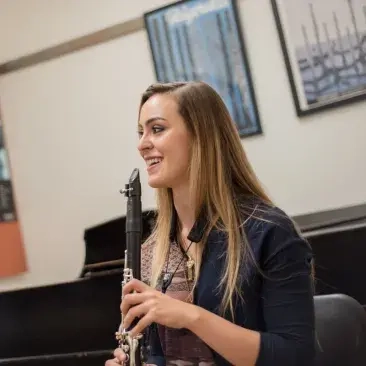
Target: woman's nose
{"points": [[144, 143]]}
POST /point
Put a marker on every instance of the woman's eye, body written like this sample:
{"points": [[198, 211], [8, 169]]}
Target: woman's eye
{"points": [[157, 129]]}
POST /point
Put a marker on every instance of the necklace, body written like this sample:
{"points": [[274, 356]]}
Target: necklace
{"points": [[190, 268], [168, 276], [190, 261]]}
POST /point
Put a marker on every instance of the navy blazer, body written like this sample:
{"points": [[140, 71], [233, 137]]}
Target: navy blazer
{"points": [[277, 303]]}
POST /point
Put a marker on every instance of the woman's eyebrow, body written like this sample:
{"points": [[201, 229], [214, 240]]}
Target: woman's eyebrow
{"points": [[152, 119]]}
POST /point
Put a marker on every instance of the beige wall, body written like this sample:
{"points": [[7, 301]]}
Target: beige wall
{"points": [[71, 134]]}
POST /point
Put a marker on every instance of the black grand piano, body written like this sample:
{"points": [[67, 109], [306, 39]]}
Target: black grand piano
{"points": [[73, 323]]}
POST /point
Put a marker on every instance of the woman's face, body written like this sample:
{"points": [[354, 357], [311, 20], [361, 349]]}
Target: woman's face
{"points": [[164, 142]]}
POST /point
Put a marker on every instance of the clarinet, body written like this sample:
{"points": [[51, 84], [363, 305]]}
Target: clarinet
{"points": [[132, 346]]}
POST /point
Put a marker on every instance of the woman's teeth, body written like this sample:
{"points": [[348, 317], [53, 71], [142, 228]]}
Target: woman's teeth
{"points": [[153, 161]]}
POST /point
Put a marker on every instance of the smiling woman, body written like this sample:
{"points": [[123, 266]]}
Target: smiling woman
{"points": [[164, 141], [226, 276]]}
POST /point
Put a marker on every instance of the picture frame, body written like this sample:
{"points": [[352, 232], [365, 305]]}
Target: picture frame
{"points": [[12, 254], [324, 48], [7, 205], [203, 40]]}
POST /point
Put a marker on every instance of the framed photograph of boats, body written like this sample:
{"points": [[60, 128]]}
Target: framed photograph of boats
{"points": [[202, 40], [324, 47]]}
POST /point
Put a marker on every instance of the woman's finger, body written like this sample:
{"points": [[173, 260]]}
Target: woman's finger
{"points": [[136, 311], [142, 324], [113, 362], [132, 300], [119, 355], [134, 285]]}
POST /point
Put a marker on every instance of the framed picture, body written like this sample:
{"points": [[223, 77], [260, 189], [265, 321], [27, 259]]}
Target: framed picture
{"points": [[12, 253], [202, 40], [324, 47], [7, 207]]}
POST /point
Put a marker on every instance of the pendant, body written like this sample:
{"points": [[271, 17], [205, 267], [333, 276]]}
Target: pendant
{"points": [[190, 268]]}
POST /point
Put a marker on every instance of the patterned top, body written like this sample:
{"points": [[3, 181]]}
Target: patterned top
{"points": [[181, 347]]}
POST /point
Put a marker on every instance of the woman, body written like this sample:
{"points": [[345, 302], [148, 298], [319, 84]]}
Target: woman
{"points": [[227, 277]]}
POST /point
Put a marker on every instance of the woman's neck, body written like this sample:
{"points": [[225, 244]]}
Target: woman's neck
{"points": [[184, 207]]}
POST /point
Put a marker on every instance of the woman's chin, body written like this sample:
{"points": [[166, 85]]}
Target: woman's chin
{"points": [[155, 182]]}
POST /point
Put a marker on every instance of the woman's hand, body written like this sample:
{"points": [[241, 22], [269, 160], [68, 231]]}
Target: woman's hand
{"points": [[151, 306], [120, 357]]}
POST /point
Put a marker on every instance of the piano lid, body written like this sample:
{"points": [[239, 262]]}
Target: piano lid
{"points": [[105, 244]]}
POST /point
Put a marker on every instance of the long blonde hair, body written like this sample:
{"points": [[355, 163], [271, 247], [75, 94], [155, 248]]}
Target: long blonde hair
{"points": [[219, 171]]}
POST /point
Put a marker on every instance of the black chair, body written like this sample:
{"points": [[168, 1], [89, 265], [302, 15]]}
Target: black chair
{"points": [[340, 331]]}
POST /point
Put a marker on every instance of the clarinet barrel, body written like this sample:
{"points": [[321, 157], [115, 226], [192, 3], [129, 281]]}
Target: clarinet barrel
{"points": [[132, 347]]}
